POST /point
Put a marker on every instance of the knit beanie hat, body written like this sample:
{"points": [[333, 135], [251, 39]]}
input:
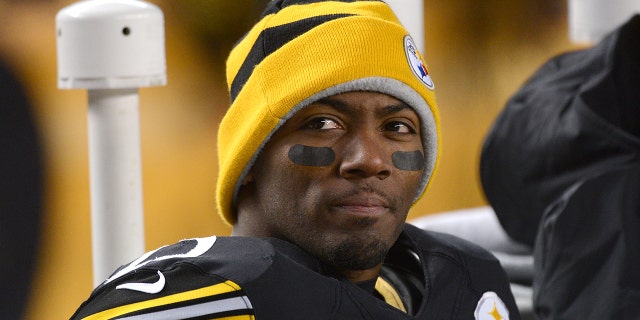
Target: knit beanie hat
{"points": [[302, 51]]}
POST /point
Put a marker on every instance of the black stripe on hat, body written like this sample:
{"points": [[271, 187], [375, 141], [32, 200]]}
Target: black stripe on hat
{"points": [[272, 39], [277, 5]]}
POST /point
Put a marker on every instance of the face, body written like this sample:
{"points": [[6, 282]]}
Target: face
{"points": [[338, 179]]}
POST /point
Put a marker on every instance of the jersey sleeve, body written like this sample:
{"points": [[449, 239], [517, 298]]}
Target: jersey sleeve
{"points": [[190, 279]]}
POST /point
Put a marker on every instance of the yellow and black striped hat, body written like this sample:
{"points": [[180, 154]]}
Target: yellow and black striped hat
{"points": [[305, 50]]}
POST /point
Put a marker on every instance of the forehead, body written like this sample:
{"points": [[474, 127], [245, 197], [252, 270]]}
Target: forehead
{"points": [[357, 102]]}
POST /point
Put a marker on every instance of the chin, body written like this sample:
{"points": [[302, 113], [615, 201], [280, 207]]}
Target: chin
{"points": [[353, 254]]}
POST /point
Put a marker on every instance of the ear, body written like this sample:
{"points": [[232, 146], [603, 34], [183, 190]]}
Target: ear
{"points": [[247, 179]]}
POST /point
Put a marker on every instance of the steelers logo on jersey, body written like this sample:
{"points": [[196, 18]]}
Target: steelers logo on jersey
{"points": [[491, 307]]}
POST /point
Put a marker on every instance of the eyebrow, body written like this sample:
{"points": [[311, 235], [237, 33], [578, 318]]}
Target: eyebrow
{"points": [[344, 108]]}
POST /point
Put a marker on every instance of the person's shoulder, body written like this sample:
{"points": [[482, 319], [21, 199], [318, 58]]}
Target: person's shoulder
{"points": [[188, 275], [482, 282], [449, 254], [238, 258]]}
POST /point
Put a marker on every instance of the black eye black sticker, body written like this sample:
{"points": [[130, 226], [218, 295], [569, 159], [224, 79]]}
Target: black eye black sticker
{"points": [[312, 156], [408, 160]]}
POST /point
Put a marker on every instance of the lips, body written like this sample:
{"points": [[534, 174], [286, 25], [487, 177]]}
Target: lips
{"points": [[362, 204]]}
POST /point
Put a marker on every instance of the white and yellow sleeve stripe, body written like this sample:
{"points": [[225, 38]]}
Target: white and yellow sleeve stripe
{"points": [[220, 301]]}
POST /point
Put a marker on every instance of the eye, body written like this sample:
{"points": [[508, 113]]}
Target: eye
{"points": [[322, 123], [399, 127]]}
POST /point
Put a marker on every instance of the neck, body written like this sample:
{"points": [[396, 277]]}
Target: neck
{"points": [[247, 225], [360, 275], [351, 275]]}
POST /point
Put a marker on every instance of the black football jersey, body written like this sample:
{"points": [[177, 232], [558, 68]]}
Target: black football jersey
{"points": [[436, 276]]}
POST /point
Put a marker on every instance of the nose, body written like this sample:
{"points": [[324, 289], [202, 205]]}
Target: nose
{"points": [[364, 156]]}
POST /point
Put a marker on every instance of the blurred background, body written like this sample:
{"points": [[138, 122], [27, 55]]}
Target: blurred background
{"points": [[478, 52]]}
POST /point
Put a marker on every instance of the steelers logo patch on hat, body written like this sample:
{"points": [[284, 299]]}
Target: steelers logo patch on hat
{"points": [[491, 307], [415, 62]]}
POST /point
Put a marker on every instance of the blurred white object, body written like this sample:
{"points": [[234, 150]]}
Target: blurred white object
{"points": [[108, 44], [591, 20], [411, 15], [112, 47], [479, 225]]}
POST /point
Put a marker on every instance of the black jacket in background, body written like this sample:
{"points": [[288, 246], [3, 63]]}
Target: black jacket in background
{"points": [[561, 168]]}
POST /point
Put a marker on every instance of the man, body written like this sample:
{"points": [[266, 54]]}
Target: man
{"points": [[331, 136]]}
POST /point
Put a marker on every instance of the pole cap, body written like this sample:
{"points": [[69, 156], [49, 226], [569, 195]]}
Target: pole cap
{"points": [[110, 44]]}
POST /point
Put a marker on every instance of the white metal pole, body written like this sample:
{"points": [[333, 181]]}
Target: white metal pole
{"points": [[116, 179], [112, 48]]}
